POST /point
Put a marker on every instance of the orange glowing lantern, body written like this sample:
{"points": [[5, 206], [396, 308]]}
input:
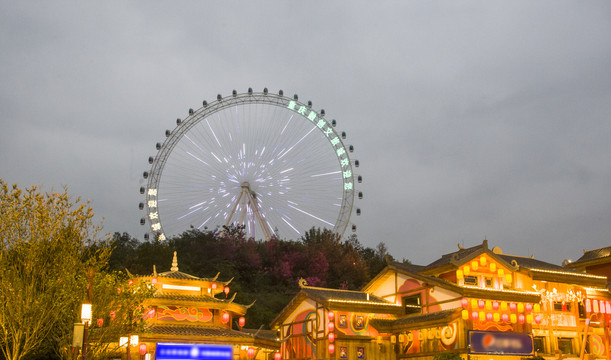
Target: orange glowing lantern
{"points": [[481, 304], [488, 305], [594, 306], [465, 315], [474, 315], [474, 265], [503, 306], [508, 278], [501, 272], [242, 321], [460, 275], [495, 305], [496, 317], [513, 318], [482, 316], [277, 356], [466, 270], [465, 303], [225, 318], [251, 352], [492, 267], [528, 307], [529, 319], [505, 317], [482, 260], [537, 308], [213, 286], [331, 348], [154, 280], [512, 306], [331, 315], [142, 349], [331, 337], [520, 307], [100, 322], [489, 317], [226, 290], [521, 319]]}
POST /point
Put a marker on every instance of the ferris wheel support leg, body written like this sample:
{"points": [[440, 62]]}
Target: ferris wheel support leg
{"points": [[255, 209], [233, 211]]}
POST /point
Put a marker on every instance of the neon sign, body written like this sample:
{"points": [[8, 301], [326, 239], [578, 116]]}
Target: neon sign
{"points": [[170, 351]]}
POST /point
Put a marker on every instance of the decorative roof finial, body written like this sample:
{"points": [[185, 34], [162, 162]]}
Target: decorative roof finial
{"points": [[174, 263]]}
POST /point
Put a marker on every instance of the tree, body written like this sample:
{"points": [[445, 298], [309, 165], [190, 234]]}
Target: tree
{"points": [[46, 249]]}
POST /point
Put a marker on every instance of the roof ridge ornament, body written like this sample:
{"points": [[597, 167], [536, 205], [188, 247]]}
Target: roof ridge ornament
{"points": [[302, 282], [174, 263], [154, 271]]}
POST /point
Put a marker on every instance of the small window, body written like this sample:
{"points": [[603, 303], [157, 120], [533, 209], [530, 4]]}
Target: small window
{"points": [[412, 304], [582, 310], [560, 306], [565, 345], [539, 344], [471, 280], [489, 282]]}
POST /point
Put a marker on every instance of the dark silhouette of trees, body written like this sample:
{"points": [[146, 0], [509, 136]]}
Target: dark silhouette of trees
{"points": [[264, 271]]}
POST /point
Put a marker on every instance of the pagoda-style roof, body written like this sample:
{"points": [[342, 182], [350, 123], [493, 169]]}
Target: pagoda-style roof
{"points": [[337, 299], [592, 257], [442, 317]]}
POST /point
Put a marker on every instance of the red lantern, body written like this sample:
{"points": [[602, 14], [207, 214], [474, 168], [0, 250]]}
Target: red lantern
{"points": [[512, 306], [113, 314], [130, 282], [154, 280], [226, 290], [521, 318], [277, 356], [213, 286], [142, 349], [242, 321], [251, 352], [481, 304], [331, 348], [331, 337], [100, 322], [331, 315], [538, 318], [465, 303], [505, 318], [495, 305], [474, 315], [331, 326], [225, 317], [489, 317]]}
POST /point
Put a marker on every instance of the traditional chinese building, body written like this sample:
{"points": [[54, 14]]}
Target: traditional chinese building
{"points": [[476, 302], [597, 261], [194, 318]]}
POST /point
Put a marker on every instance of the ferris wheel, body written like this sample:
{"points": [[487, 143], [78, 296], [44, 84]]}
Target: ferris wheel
{"points": [[267, 162]]}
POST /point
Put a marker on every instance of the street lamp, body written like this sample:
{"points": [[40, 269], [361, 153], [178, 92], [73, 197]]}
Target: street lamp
{"points": [[128, 341], [86, 316]]}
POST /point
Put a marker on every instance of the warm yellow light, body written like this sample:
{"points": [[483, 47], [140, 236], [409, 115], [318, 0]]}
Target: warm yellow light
{"points": [[133, 340], [570, 273], [529, 319], [459, 274], [123, 341], [467, 270], [496, 317], [503, 306], [473, 304], [180, 287], [508, 278], [537, 308], [465, 314], [488, 305], [474, 265], [513, 318], [86, 313], [492, 267], [520, 307], [501, 272], [482, 260]]}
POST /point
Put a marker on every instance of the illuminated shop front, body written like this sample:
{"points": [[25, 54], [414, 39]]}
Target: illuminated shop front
{"points": [[476, 302], [196, 318]]}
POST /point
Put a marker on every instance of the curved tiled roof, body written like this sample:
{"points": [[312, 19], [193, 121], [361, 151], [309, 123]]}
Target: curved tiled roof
{"points": [[596, 254], [186, 330]]}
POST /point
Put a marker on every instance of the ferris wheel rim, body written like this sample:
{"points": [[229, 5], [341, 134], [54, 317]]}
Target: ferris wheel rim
{"points": [[303, 110]]}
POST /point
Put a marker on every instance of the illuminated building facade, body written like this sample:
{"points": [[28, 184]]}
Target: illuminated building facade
{"points": [[196, 318], [475, 302]]}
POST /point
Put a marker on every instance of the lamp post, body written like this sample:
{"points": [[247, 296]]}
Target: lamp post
{"points": [[86, 317], [128, 341]]}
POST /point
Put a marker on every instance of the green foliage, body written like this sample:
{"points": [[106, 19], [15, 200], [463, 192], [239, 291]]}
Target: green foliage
{"points": [[264, 272], [447, 356], [48, 254]]}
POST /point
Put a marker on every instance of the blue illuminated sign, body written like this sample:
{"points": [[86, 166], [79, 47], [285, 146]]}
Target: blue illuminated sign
{"points": [[169, 351], [500, 343]]}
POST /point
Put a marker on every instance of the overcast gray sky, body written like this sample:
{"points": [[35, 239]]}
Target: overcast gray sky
{"points": [[471, 119]]}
